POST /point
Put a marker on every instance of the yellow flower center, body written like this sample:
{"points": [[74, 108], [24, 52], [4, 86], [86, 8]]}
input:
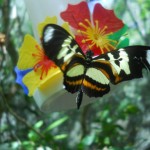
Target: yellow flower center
{"points": [[96, 36], [43, 62]]}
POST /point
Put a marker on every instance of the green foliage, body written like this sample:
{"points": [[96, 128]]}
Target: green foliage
{"points": [[111, 127], [113, 123], [56, 123]]}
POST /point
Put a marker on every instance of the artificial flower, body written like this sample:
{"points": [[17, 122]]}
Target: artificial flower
{"points": [[99, 31], [33, 65], [34, 68]]}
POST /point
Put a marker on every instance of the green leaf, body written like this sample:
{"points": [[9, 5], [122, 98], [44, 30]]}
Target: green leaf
{"points": [[60, 137], [104, 114], [1, 2], [28, 145], [131, 109], [56, 123], [123, 105], [33, 136], [38, 124], [107, 141], [88, 140]]}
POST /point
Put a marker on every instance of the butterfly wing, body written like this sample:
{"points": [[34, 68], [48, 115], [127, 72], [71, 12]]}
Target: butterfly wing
{"points": [[126, 63], [95, 82], [74, 74], [59, 45], [116, 66]]}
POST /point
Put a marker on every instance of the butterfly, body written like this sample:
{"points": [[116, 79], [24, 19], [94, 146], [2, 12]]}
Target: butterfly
{"points": [[89, 74]]}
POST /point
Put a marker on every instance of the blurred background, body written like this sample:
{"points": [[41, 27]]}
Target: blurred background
{"points": [[120, 122]]}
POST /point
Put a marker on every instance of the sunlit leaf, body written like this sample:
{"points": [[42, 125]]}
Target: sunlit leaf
{"points": [[60, 137], [33, 136], [56, 123], [123, 104], [89, 139], [104, 114], [38, 124], [27, 145], [107, 140]]}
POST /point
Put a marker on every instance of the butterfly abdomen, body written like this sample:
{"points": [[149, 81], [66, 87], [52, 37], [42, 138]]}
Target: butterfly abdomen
{"points": [[79, 98]]}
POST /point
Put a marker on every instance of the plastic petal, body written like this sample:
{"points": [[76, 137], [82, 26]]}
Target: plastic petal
{"points": [[54, 75], [121, 37], [48, 20], [119, 33], [76, 13], [20, 74], [32, 79], [65, 25], [28, 47], [107, 18], [123, 42]]}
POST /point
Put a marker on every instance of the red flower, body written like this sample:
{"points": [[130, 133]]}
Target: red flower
{"points": [[93, 32]]}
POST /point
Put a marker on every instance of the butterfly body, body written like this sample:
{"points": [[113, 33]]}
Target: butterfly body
{"points": [[79, 98], [92, 75]]}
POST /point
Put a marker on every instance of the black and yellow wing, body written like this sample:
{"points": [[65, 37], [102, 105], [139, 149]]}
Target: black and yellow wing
{"points": [[59, 45], [114, 67], [74, 74], [95, 82], [125, 63]]}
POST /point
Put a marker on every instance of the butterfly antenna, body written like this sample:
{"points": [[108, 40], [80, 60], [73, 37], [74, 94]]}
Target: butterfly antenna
{"points": [[79, 98]]}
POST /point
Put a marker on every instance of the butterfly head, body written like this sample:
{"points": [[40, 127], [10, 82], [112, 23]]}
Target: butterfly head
{"points": [[89, 54]]}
